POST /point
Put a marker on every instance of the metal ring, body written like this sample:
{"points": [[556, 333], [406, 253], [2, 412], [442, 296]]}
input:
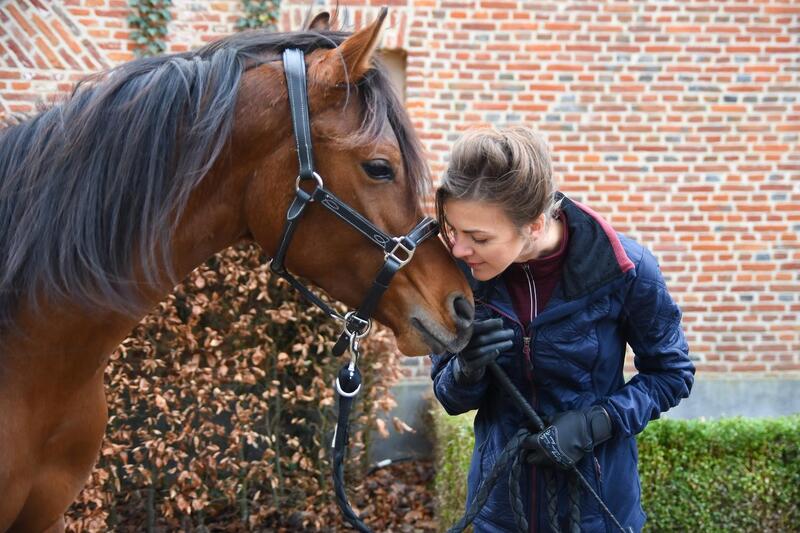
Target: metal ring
{"points": [[356, 334], [354, 351], [338, 387], [314, 175]]}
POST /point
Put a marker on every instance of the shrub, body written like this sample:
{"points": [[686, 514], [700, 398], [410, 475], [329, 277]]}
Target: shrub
{"points": [[221, 409], [454, 440], [726, 475]]}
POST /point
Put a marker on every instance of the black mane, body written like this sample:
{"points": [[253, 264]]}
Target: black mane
{"points": [[91, 189]]}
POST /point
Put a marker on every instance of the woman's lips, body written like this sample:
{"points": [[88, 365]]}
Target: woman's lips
{"points": [[473, 265]]}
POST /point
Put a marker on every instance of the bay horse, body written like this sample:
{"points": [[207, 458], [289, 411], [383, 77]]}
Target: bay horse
{"points": [[110, 197]]}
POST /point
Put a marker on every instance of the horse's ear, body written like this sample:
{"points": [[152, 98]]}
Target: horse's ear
{"points": [[321, 22], [350, 61]]}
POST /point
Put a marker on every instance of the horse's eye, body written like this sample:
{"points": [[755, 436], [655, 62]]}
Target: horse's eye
{"points": [[378, 169]]}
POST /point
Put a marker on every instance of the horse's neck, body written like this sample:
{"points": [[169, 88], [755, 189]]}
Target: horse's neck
{"points": [[65, 342], [71, 343]]}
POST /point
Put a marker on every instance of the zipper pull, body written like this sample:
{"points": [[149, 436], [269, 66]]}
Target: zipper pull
{"points": [[526, 350]]}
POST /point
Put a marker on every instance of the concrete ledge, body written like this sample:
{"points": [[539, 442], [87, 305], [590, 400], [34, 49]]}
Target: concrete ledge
{"points": [[413, 398], [739, 397]]}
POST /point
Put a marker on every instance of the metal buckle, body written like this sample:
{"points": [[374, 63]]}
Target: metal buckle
{"points": [[362, 326], [398, 245]]}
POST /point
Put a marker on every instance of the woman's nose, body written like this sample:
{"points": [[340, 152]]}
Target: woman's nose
{"points": [[459, 250]]}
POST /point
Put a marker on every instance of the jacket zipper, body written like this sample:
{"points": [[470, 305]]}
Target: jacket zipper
{"points": [[526, 344], [526, 350]]}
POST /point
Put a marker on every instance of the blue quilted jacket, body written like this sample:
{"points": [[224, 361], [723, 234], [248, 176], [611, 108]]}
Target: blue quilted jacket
{"points": [[571, 356]]}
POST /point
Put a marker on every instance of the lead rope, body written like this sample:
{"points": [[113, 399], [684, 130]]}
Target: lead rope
{"points": [[514, 450], [347, 387]]}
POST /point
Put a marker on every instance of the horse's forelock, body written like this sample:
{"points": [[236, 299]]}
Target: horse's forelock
{"points": [[382, 106]]}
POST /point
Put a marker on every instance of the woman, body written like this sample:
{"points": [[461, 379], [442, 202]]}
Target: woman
{"points": [[559, 295]]}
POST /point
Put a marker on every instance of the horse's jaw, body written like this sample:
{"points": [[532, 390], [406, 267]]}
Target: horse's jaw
{"points": [[434, 336]]}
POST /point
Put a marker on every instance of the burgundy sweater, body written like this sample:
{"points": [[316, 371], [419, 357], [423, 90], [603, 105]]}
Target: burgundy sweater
{"points": [[545, 273]]}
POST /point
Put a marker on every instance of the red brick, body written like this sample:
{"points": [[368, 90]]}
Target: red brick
{"points": [[678, 167]]}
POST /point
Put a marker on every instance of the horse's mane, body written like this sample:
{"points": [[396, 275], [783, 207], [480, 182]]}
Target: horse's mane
{"points": [[91, 189]]}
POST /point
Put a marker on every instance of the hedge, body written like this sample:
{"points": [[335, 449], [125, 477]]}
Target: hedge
{"points": [[221, 410], [732, 474]]}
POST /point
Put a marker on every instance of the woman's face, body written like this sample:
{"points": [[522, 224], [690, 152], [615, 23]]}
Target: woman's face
{"points": [[485, 238]]}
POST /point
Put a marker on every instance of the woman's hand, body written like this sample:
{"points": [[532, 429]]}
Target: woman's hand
{"points": [[569, 437], [489, 338]]}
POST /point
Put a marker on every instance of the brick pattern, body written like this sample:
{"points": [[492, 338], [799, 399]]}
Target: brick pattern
{"points": [[196, 23], [44, 49], [678, 121]]}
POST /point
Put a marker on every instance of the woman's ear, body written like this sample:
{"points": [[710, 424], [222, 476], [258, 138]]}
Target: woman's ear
{"points": [[535, 229]]}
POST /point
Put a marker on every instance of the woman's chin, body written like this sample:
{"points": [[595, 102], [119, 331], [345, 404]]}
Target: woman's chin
{"points": [[483, 274]]}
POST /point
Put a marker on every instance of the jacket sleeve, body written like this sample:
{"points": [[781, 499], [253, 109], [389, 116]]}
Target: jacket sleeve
{"points": [[455, 398], [652, 325]]}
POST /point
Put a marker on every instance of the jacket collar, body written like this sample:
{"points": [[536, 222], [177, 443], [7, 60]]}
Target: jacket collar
{"points": [[595, 258]]}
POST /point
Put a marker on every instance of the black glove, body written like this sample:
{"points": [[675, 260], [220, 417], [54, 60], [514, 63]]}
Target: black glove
{"points": [[488, 340], [570, 435]]}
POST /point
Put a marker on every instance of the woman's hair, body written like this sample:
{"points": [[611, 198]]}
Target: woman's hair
{"points": [[508, 167]]}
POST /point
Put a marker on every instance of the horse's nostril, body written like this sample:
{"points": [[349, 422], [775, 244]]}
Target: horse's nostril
{"points": [[463, 309]]}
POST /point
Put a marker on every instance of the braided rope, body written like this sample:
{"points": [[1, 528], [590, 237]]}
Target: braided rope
{"points": [[479, 500], [512, 452], [575, 505], [341, 496], [551, 493], [515, 493]]}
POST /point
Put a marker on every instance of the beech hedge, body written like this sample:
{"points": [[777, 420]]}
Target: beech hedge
{"points": [[222, 410]]}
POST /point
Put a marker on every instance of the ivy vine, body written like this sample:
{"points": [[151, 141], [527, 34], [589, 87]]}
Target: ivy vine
{"points": [[259, 14], [149, 23]]}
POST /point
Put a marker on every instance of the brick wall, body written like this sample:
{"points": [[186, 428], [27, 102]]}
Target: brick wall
{"points": [[676, 120]]}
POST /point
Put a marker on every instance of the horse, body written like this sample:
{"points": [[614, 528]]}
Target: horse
{"points": [[111, 196]]}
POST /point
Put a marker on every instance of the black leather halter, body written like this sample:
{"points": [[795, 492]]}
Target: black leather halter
{"points": [[397, 252]]}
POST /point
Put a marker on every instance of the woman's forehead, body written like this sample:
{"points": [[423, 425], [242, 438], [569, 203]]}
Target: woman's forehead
{"points": [[471, 216]]}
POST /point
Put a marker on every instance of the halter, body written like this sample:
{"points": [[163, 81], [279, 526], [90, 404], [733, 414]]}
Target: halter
{"points": [[397, 252]]}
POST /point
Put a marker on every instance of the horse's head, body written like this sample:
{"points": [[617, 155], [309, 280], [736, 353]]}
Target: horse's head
{"points": [[368, 155]]}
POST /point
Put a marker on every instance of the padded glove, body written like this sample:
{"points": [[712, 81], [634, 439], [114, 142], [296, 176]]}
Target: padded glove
{"points": [[570, 436], [489, 338]]}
